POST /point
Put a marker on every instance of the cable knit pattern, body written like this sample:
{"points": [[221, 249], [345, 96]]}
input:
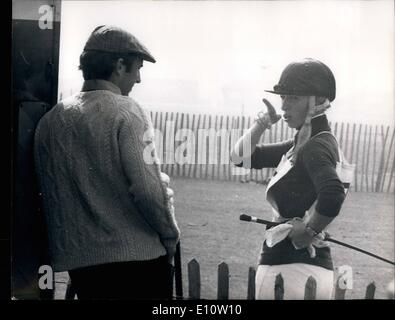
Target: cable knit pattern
{"points": [[102, 201]]}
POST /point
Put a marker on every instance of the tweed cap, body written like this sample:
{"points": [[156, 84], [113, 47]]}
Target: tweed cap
{"points": [[306, 77], [113, 39]]}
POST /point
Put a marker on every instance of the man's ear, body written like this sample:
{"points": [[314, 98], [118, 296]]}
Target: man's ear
{"points": [[119, 66]]}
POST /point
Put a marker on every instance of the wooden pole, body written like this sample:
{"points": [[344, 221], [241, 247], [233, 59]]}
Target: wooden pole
{"points": [[346, 141], [370, 291], [228, 147], [251, 284], [279, 287], [197, 144], [194, 156], [374, 158], [194, 279], [310, 289], [391, 176], [339, 292], [388, 158], [223, 282], [363, 157], [172, 143], [357, 157], [341, 135], [382, 160], [216, 148], [367, 159]]}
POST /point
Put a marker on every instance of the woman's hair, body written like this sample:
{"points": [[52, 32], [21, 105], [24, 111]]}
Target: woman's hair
{"points": [[100, 65]]}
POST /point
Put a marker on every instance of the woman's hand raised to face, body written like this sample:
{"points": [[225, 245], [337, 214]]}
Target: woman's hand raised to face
{"points": [[268, 118], [274, 117]]}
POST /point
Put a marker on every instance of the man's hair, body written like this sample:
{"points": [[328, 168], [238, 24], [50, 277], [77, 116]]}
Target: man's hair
{"points": [[100, 65]]}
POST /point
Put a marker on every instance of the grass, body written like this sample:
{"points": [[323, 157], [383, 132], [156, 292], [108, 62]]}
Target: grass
{"points": [[208, 215]]}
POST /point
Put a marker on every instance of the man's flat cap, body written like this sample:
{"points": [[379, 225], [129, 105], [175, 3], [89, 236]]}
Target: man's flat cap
{"points": [[113, 39]]}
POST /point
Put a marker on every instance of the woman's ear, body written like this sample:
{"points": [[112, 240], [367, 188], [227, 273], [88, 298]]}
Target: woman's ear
{"points": [[319, 100]]}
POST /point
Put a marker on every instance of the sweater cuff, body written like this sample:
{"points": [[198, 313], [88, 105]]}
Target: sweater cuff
{"points": [[170, 245]]}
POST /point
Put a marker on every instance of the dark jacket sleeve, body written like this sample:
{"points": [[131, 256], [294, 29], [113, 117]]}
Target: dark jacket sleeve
{"points": [[267, 155], [319, 157]]}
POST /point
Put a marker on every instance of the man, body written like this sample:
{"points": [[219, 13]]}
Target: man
{"points": [[109, 212]]}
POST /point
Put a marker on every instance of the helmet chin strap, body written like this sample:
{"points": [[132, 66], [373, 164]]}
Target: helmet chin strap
{"points": [[315, 110], [305, 131]]}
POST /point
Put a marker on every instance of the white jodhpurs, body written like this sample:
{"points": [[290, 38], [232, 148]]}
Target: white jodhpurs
{"points": [[295, 276]]}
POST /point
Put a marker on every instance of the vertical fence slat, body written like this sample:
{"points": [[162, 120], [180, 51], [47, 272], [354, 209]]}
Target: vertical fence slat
{"points": [[162, 150], [384, 174], [165, 146], [374, 158], [174, 166], [370, 291], [363, 158], [202, 143], [382, 159], [70, 291], [223, 282], [227, 148], [194, 279], [346, 143], [279, 287], [310, 291], [352, 142], [238, 177], [391, 176], [220, 159], [216, 144], [367, 159], [251, 284], [197, 146], [339, 292], [357, 157], [231, 141], [341, 135], [185, 166], [180, 167], [207, 143]]}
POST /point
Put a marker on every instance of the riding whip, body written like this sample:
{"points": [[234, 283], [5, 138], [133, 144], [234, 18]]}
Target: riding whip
{"points": [[245, 217]]}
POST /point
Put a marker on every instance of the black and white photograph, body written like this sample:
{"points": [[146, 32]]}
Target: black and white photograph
{"points": [[215, 151]]}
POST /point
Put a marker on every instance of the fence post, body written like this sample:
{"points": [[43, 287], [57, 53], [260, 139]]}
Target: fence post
{"points": [[357, 158], [310, 289], [279, 287], [339, 292], [384, 174], [370, 290], [70, 292], [374, 158], [382, 159], [194, 279], [251, 284], [223, 282]]}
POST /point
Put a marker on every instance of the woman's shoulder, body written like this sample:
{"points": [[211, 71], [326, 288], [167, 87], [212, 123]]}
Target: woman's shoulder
{"points": [[323, 144]]}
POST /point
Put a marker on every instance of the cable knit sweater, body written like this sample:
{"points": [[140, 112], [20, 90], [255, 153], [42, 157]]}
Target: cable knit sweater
{"points": [[103, 203]]}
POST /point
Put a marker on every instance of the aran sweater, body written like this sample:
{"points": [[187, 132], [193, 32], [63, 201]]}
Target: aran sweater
{"points": [[103, 201]]}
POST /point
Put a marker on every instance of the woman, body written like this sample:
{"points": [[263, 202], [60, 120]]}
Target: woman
{"points": [[305, 175]]}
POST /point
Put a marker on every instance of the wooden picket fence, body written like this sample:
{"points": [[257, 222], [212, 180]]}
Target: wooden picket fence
{"points": [[370, 148], [194, 285]]}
